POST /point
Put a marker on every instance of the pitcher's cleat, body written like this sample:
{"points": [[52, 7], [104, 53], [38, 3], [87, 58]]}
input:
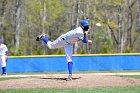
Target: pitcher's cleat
{"points": [[39, 37], [3, 74], [69, 78]]}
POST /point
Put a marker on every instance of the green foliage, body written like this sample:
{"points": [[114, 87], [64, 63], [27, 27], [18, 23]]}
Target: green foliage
{"points": [[82, 51], [60, 51], [38, 51], [127, 50], [105, 50], [55, 17], [103, 42], [36, 9], [115, 2], [16, 52]]}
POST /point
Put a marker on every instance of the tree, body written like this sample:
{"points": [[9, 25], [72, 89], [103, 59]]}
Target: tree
{"points": [[17, 25], [22, 20]]}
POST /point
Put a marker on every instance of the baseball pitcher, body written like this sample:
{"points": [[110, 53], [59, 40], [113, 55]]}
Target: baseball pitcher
{"points": [[67, 41]]}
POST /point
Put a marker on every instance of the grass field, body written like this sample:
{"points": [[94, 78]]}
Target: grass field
{"points": [[128, 89], [132, 76], [9, 78]]}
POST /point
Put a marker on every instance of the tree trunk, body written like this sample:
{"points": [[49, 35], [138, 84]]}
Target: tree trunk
{"points": [[43, 22], [17, 24], [77, 24], [2, 15]]}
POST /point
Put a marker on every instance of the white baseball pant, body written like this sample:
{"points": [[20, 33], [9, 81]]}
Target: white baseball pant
{"points": [[3, 60], [59, 43]]}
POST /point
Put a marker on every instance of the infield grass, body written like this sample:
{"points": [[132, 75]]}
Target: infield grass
{"points": [[128, 89], [9, 78], [131, 76]]}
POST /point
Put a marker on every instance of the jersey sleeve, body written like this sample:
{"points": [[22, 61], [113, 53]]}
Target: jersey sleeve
{"points": [[84, 39], [80, 36], [6, 49]]}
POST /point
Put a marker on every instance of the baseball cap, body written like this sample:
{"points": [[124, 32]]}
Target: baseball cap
{"points": [[85, 23]]}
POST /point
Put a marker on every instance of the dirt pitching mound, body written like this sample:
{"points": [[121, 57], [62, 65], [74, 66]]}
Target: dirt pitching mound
{"points": [[59, 81]]}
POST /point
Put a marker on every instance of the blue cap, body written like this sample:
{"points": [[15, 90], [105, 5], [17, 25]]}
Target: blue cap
{"points": [[85, 23], [1, 40]]}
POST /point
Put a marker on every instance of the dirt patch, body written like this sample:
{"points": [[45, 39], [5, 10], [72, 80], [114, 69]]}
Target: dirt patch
{"points": [[59, 81]]}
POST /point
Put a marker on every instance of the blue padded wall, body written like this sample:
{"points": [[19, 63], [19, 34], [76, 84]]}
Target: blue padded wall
{"points": [[80, 63]]}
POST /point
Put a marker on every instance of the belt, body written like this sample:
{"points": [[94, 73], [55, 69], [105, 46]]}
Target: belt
{"points": [[64, 40]]}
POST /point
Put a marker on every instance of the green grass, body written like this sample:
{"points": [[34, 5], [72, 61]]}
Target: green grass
{"points": [[128, 89], [9, 78], [131, 76]]}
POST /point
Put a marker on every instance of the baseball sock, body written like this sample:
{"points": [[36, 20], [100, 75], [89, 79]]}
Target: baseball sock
{"points": [[4, 70], [70, 67], [45, 39]]}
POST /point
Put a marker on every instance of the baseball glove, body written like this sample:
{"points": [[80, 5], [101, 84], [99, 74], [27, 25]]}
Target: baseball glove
{"points": [[37, 39]]}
